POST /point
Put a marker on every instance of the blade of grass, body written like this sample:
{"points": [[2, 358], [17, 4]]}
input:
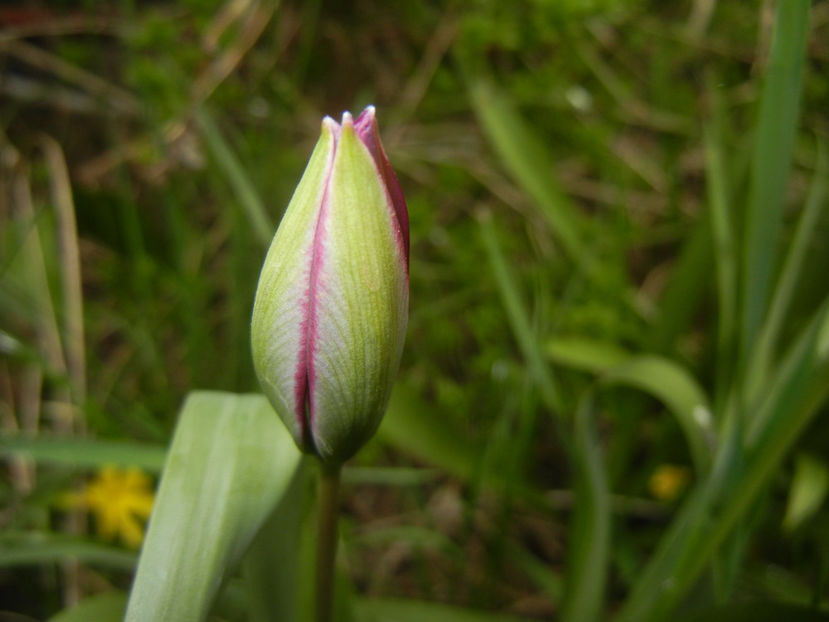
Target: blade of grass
{"points": [[768, 338], [246, 194], [586, 354], [399, 610], [807, 491], [798, 389], [415, 427], [527, 160], [70, 271], [680, 392], [772, 155], [83, 452], [28, 548], [589, 540], [519, 320], [658, 376], [725, 254], [756, 612], [684, 292], [230, 462], [106, 607]]}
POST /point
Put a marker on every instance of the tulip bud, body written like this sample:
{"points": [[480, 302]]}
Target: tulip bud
{"points": [[331, 308]]}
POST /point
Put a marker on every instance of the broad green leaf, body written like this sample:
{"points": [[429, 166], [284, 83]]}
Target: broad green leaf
{"points": [[807, 492], [230, 462], [81, 452], [106, 607], [273, 566], [398, 610], [26, 548], [679, 391], [772, 155], [589, 539]]}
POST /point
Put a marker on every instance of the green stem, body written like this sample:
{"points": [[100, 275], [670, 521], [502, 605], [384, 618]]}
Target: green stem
{"points": [[327, 540]]}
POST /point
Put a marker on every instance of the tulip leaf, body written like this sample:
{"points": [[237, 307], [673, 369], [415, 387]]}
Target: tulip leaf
{"points": [[275, 565], [106, 607], [230, 462]]}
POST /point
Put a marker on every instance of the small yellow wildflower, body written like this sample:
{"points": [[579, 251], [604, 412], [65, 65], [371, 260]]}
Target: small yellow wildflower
{"points": [[120, 500], [667, 481]]}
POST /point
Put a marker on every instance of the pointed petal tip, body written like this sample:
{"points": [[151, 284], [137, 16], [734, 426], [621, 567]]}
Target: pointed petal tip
{"points": [[329, 124], [347, 119]]}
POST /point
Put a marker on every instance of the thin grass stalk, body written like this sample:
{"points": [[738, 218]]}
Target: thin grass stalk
{"points": [[772, 156], [51, 346], [726, 261], [590, 525], [243, 188], [70, 273], [518, 317], [768, 340]]}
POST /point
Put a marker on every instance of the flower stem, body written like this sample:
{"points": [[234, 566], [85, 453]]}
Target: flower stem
{"points": [[327, 540]]}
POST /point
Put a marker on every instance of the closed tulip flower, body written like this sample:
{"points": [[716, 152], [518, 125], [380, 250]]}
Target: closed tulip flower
{"points": [[329, 320]]}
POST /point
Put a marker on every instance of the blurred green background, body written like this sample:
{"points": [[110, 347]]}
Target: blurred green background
{"points": [[588, 182]]}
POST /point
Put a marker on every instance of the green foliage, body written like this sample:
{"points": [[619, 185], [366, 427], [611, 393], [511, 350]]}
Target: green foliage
{"points": [[229, 464], [618, 218]]}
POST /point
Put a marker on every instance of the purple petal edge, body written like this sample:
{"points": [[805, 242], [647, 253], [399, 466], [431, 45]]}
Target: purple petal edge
{"points": [[305, 375], [367, 130]]}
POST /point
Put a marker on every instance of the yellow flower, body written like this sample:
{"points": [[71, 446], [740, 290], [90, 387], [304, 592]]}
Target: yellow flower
{"points": [[667, 481], [120, 500]]}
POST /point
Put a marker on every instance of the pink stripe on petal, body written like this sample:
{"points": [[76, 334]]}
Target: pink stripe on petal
{"points": [[366, 128], [304, 377]]}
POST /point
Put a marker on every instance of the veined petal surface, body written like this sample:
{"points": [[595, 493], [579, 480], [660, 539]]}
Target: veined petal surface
{"points": [[362, 304], [280, 312], [331, 308]]}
